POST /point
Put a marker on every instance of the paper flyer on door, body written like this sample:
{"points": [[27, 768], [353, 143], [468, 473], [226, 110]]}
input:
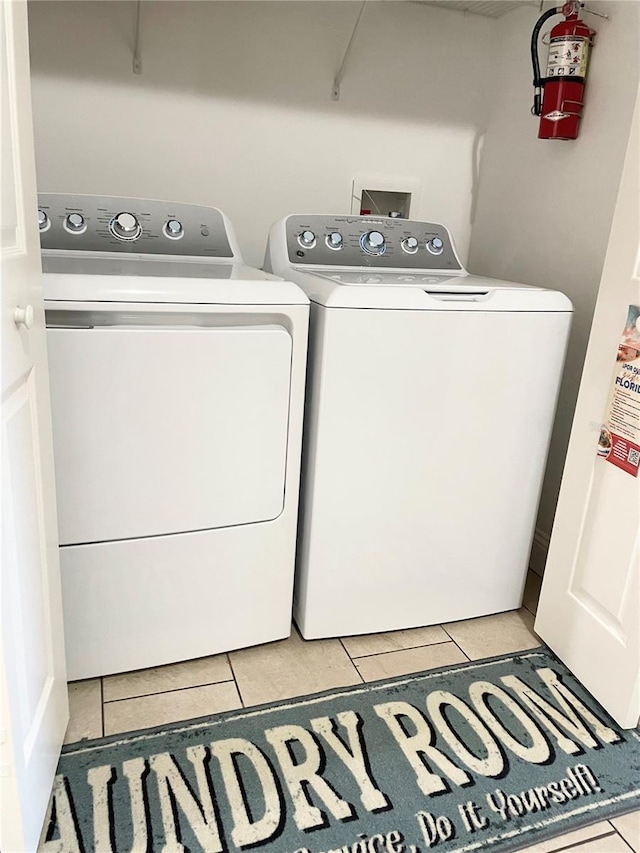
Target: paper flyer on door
{"points": [[619, 441]]}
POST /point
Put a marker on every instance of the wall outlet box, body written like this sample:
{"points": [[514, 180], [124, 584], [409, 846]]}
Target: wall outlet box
{"points": [[383, 195]]}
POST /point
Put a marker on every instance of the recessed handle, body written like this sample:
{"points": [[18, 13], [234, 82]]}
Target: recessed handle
{"points": [[457, 295], [24, 316]]}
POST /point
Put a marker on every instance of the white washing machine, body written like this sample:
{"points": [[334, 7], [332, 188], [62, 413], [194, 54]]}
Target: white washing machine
{"points": [[177, 385], [430, 401]]}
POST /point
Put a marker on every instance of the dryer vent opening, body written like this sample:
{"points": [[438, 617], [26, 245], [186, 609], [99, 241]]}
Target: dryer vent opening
{"points": [[383, 203]]}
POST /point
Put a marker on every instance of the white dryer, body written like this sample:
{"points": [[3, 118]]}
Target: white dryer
{"points": [[430, 401], [177, 386]]}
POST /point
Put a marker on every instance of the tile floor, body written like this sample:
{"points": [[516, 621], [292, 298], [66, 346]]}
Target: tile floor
{"points": [[293, 667]]}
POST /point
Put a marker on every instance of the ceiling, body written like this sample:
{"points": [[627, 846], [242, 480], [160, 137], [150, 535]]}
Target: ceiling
{"points": [[488, 8]]}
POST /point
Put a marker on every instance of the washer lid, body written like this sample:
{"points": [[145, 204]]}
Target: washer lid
{"points": [[86, 280], [421, 290]]}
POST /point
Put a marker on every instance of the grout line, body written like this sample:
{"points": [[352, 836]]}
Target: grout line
{"points": [[350, 656], [407, 649], [235, 681], [172, 690], [620, 835], [580, 843], [457, 644], [446, 632], [351, 660]]}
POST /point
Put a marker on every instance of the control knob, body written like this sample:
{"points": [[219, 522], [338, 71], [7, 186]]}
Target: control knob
{"points": [[173, 229], [334, 240], [410, 244], [75, 223], [307, 239], [435, 245], [125, 226], [373, 242], [43, 220]]}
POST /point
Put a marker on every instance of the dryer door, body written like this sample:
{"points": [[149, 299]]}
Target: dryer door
{"points": [[166, 429]]}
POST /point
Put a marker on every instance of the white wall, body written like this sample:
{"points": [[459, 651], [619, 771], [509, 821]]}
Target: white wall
{"points": [[233, 107], [545, 207]]}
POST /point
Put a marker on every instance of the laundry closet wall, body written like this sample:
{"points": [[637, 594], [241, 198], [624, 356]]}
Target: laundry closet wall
{"points": [[545, 207], [233, 106]]}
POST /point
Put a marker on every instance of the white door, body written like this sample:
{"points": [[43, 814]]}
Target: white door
{"points": [[33, 697], [589, 607]]}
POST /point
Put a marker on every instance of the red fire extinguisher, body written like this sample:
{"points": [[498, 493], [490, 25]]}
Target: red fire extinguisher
{"points": [[560, 108]]}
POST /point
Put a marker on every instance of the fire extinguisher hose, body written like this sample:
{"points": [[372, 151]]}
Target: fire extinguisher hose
{"points": [[536, 109]]}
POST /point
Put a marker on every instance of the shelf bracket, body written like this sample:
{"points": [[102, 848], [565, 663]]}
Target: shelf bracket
{"points": [[137, 58], [335, 89]]}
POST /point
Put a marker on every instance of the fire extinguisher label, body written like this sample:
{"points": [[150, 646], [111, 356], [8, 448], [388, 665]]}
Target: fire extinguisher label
{"points": [[556, 115], [568, 56]]}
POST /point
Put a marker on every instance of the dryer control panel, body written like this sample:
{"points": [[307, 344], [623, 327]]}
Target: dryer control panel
{"points": [[90, 223], [369, 241]]}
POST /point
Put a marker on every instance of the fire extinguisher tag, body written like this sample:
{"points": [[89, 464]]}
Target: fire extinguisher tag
{"points": [[568, 56], [556, 115]]}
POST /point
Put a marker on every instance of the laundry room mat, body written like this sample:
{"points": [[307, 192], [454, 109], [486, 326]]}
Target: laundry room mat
{"points": [[493, 755]]}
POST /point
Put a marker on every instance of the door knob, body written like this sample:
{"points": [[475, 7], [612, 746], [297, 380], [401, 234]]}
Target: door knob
{"points": [[24, 316]]}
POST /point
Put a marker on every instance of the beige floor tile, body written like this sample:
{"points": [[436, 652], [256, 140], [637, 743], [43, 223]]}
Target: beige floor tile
{"points": [[629, 828], [85, 710], [291, 667], [532, 591], [127, 715], [495, 635], [175, 676], [607, 844], [375, 644], [597, 833], [405, 661]]}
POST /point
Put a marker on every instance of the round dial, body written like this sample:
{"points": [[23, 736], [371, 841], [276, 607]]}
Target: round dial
{"points": [[307, 239], [75, 223], [334, 240], [373, 242], [125, 226], [410, 244], [435, 245], [43, 220], [174, 229]]}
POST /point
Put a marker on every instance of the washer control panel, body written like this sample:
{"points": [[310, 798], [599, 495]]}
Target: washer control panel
{"points": [[131, 225], [369, 241]]}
